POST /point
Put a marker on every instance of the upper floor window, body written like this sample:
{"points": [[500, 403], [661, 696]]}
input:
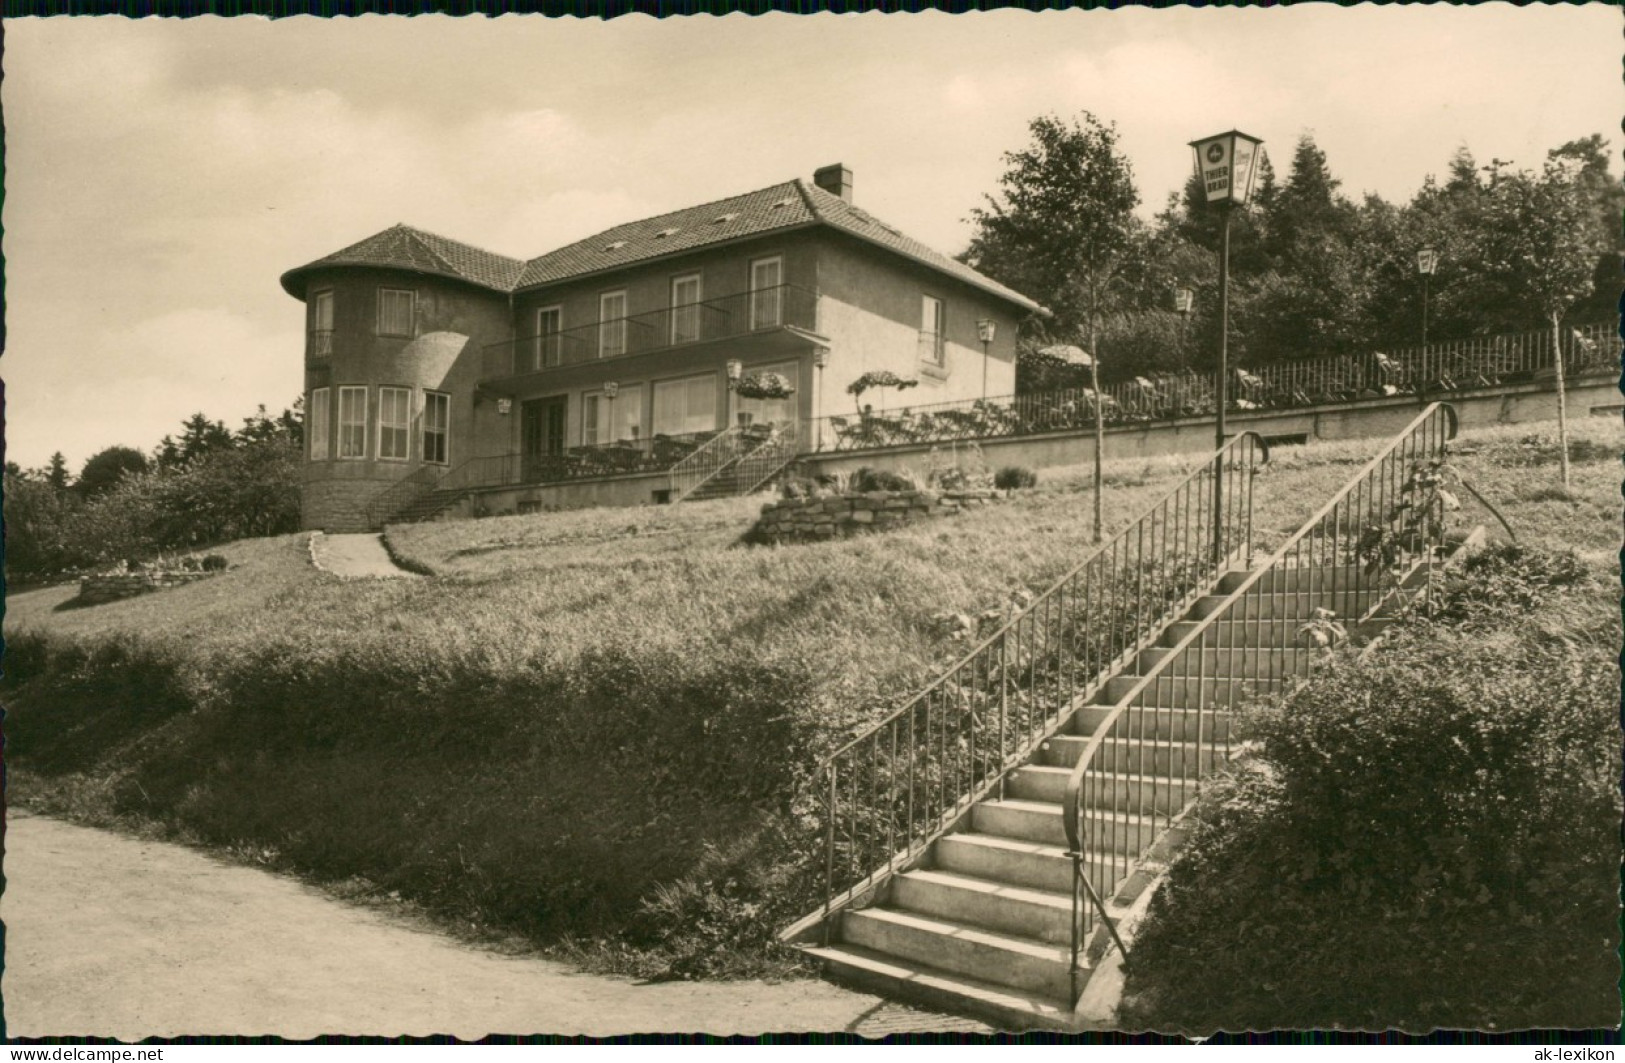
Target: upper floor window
{"points": [[318, 429], [396, 307], [436, 427], [549, 344], [933, 330], [766, 292], [685, 308], [611, 324], [353, 422], [321, 324], [394, 423]]}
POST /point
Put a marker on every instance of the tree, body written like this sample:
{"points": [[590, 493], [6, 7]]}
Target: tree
{"points": [[1063, 230], [1538, 246], [57, 472], [200, 436], [107, 467]]}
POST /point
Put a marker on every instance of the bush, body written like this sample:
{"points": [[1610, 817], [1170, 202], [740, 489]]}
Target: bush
{"points": [[867, 479], [1014, 478], [214, 563], [1427, 838]]}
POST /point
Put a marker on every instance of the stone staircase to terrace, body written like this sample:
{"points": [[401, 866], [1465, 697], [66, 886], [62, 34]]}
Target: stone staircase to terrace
{"points": [[1007, 902]]}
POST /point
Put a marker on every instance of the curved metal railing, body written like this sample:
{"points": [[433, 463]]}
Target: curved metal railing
{"points": [[1346, 553], [892, 790]]}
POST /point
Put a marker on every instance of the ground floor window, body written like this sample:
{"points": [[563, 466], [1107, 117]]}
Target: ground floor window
{"points": [[607, 419], [436, 427], [353, 422], [685, 406], [394, 423], [320, 412]]}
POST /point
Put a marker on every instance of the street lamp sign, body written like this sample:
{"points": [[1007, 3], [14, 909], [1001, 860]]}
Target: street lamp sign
{"points": [[1184, 300], [1228, 166], [1427, 261]]}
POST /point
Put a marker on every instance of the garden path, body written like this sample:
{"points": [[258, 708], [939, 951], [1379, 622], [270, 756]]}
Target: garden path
{"points": [[114, 936], [356, 556]]}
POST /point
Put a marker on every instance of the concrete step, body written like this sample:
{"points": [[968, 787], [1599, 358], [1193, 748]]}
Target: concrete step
{"points": [[1231, 662], [1140, 794], [1004, 959], [1004, 1007], [1161, 724], [1182, 692], [1017, 861], [1034, 821], [1045, 915], [1310, 578], [1040, 821], [1254, 631], [1135, 757], [1296, 605]]}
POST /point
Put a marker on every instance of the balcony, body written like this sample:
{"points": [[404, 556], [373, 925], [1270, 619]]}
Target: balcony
{"points": [[321, 343], [722, 318]]}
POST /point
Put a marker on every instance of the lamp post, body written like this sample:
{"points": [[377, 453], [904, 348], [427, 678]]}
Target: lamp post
{"points": [[736, 370], [1227, 165], [611, 389], [820, 360], [985, 329], [1184, 302]]}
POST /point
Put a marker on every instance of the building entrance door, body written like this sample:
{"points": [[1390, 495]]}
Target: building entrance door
{"points": [[541, 434]]}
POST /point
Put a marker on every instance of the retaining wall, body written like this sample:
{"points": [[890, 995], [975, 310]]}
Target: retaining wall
{"points": [[94, 590], [807, 519]]}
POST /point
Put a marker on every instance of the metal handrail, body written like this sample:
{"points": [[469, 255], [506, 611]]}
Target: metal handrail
{"points": [[1015, 687], [1435, 426], [706, 462]]}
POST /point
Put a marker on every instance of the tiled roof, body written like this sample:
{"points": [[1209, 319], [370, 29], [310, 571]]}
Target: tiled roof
{"points": [[778, 207], [403, 247], [791, 205]]}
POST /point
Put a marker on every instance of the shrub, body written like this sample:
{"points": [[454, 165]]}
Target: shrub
{"points": [[1429, 838], [214, 563], [1015, 477], [867, 479]]}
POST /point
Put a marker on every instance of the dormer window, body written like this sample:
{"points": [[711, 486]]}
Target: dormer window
{"points": [[723, 219], [616, 246], [785, 202], [664, 233]]}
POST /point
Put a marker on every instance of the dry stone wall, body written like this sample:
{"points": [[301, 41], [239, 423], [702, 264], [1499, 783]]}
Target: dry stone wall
{"points": [[811, 519]]}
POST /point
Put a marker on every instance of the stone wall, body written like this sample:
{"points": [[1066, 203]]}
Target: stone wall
{"points": [[810, 519], [94, 590]]}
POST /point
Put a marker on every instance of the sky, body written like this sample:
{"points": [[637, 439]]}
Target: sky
{"points": [[162, 174]]}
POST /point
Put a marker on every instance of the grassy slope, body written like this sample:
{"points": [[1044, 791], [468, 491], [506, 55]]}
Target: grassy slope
{"points": [[581, 706]]}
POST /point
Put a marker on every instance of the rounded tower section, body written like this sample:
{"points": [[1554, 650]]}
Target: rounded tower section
{"points": [[395, 331]]}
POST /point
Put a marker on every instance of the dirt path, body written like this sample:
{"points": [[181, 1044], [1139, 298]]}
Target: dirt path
{"points": [[354, 556], [112, 936]]}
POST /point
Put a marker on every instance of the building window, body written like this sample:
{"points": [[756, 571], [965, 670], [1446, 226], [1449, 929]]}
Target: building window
{"points": [[352, 422], [548, 352], [395, 311], [611, 324], [933, 329], [436, 427], [766, 292], [685, 406], [607, 420], [685, 308], [394, 423], [320, 412], [321, 325]]}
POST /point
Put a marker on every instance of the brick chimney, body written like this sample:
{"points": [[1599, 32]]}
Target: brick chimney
{"points": [[834, 179]]}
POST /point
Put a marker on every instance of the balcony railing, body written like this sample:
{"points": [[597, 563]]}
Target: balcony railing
{"points": [[655, 454], [321, 343], [723, 317]]}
